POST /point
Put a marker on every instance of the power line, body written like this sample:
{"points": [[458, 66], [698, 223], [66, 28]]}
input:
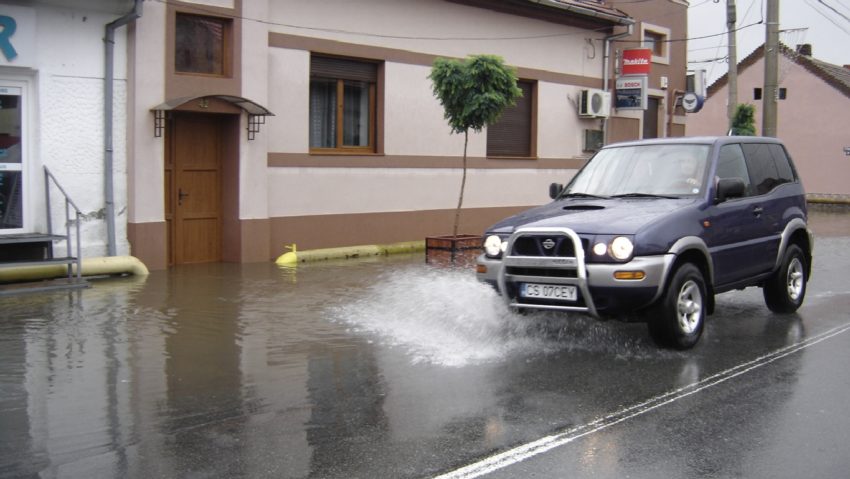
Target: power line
{"points": [[201, 9], [834, 10], [695, 38], [827, 17], [712, 60]]}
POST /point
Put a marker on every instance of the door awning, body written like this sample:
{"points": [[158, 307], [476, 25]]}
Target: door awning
{"points": [[256, 113]]}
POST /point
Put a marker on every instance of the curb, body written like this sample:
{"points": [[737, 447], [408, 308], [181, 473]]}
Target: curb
{"points": [[348, 252], [829, 200]]}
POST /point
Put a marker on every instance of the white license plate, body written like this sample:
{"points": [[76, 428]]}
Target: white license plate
{"points": [[548, 291]]}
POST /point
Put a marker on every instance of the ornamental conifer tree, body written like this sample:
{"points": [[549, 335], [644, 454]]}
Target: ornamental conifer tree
{"points": [[744, 120], [473, 92]]}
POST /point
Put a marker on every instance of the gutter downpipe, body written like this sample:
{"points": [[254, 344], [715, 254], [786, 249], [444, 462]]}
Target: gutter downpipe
{"points": [[606, 54], [109, 73]]}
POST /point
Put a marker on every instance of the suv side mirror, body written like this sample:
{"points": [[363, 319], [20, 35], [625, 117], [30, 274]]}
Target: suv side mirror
{"points": [[730, 188], [555, 190]]}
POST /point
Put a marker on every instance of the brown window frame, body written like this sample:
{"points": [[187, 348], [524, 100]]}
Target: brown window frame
{"points": [[226, 46], [498, 146], [341, 78]]}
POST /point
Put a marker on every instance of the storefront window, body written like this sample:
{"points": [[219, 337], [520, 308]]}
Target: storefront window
{"points": [[11, 171]]}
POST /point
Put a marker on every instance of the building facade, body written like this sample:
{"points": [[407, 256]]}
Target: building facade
{"points": [[243, 127]]}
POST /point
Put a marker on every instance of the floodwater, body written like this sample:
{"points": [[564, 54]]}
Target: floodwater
{"points": [[321, 370]]}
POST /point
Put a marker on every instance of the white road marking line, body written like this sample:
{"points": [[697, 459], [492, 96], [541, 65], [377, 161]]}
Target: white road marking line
{"points": [[534, 448]]}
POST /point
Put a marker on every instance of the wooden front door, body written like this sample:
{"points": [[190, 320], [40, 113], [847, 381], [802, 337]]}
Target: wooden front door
{"points": [[193, 188]]}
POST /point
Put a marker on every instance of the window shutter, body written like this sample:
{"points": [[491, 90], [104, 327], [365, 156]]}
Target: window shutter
{"points": [[511, 134], [343, 68]]}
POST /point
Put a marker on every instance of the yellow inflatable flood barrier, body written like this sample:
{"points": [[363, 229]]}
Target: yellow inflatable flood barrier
{"points": [[348, 252], [107, 265]]}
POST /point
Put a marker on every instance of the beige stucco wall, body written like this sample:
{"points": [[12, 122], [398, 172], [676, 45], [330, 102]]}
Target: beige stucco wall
{"points": [[413, 119], [253, 182], [146, 156], [414, 123], [441, 28], [811, 122]]}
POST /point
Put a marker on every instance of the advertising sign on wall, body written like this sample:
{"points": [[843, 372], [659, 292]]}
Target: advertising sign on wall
{"points": [[17, 36], [637, 61], [631, 93]]}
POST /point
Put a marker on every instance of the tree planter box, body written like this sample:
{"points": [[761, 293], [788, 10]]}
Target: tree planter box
{"points": [[460, 250]]}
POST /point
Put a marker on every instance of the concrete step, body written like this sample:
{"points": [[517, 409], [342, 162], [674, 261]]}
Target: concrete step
{"points": [[59, 284]]}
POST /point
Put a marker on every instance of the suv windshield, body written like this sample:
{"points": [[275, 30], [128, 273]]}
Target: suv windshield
{"points": [[644, 170]]}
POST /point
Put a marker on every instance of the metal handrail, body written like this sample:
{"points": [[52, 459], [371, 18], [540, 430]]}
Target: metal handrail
{"points": [[69, 203]]}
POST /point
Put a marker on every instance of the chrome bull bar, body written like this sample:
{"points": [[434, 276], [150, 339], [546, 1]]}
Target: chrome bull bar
{"points": [[529, 263]]}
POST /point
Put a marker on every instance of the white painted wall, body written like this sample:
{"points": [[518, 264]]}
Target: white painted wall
{"points": [[147, 153], [289, 100], [320, 191], [560, 131], [443, 28], [414, 123], [66, 108], [253, 162]]}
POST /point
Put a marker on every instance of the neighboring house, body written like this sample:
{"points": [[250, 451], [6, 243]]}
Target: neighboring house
{"points": [[812, 111], [242, 127]]}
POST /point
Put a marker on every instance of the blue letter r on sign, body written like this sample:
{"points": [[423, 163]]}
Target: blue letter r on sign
{"points": [[9, 26]]}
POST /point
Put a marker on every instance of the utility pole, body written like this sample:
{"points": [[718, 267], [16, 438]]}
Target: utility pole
{"points": [[732, 75], [771, 69]]}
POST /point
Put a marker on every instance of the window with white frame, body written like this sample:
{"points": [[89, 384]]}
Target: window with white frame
{"points": [[657, 39], [11, 159]]}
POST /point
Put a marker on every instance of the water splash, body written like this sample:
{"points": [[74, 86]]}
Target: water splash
{"points": [[449, 318]]}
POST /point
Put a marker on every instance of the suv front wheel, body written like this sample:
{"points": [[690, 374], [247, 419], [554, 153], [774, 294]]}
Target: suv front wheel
{"points": [[677, 319], [785, 290]]}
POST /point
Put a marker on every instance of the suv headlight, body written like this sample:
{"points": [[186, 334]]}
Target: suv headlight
{"points": [[494, 246], [621, 248]]}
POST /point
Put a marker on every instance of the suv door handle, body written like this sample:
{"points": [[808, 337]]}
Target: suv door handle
{"points": [[758, 210]]}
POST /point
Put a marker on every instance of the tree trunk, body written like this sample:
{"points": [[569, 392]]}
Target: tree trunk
{"points": [[462, 184]]}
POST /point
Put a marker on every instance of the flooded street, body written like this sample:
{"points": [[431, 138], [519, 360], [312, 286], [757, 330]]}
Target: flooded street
{"points": [[387, 367]]}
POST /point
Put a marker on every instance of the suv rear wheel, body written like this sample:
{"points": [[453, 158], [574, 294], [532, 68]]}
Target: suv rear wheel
{"points": [[677, 319], [785, 290]]}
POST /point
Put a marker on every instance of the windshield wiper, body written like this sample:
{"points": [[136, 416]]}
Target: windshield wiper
{"points": [[644, 195], [581, 195]]}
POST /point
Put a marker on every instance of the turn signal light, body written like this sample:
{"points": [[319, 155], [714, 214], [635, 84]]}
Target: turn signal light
{"points": [[481, 268], [629, 275]]}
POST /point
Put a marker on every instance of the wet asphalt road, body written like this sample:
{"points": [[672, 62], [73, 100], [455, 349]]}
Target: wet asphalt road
{"points": [[390, 368]]}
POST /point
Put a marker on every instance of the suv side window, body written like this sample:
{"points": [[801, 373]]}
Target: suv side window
{"points": [[763, 172], [731, 164], [783, 164]]}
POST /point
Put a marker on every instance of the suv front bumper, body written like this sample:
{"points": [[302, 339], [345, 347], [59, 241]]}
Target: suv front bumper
{"points": [[598, 291]]}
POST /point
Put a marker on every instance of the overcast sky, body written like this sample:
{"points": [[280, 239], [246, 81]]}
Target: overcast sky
{"points": [[825, 24]]}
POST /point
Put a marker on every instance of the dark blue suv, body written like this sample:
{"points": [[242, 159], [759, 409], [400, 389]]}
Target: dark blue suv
{"points": [[654, 229]]}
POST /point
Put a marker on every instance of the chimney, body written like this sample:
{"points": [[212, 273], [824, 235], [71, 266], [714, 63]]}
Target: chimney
{"points": [[805, 49]]}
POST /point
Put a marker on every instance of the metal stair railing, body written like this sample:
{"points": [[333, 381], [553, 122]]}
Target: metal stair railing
{"points": [[69, 203]]}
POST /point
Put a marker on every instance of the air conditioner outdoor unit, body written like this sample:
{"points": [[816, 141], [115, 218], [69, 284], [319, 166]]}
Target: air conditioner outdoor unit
{"points": [[594, 103]]}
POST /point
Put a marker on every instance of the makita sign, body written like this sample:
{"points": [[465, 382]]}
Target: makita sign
{"points": [[637, 61]]}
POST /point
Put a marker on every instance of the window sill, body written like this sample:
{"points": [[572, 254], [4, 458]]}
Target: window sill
{"points": [[203, 75], [524, 158], [315, 152]]}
